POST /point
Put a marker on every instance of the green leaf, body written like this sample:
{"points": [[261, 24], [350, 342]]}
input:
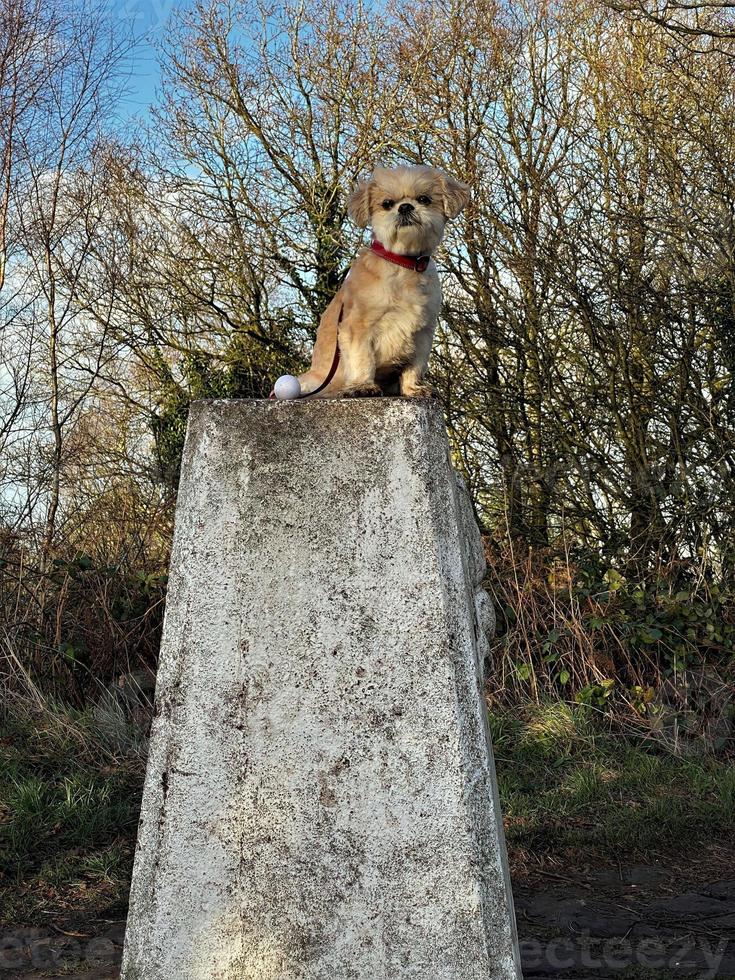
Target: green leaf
{"points": [[614, 580], [651, 635]]}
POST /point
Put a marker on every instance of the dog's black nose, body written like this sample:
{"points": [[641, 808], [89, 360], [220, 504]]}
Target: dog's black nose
{"points": [[405, 208]]}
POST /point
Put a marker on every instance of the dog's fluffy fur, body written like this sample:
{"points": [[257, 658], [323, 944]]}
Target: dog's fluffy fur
{"points": [[388, 312]]}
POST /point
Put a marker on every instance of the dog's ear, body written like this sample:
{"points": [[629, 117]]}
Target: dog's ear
{"points": [[358, 206], [456, 195]]}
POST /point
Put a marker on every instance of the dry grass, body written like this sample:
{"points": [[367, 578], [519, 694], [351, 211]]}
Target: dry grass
{"points": [[70, 785]]}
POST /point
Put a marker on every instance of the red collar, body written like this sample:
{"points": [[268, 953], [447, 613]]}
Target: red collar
{"points": [[418, 263]]}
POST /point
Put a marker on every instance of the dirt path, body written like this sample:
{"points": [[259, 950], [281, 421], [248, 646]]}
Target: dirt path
{"points": [[645, 921], [636, 922]]}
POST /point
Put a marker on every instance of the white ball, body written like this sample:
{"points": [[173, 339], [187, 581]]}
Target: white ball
{"points": [[287, 388]]}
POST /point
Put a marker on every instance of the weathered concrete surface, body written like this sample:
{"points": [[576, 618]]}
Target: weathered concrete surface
{"points": [[320, 799]]}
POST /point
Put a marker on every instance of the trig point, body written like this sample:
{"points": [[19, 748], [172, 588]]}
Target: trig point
{"points": [[320, 799]]}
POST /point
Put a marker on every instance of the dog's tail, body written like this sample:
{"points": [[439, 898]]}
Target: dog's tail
{"points": [[325, 358]]}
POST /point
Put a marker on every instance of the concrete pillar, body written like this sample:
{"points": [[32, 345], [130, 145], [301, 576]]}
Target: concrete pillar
{"points": [[320, 801]]}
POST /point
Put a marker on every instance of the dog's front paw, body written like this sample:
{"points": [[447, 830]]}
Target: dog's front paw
{"points": [[369, 390], [420, 391]]}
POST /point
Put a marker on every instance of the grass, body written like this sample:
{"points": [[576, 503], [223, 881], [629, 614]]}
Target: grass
{"points": [[572, 785], [575, 791], [70, 785]]}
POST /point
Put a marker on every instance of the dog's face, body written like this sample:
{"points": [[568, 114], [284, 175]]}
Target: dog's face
{"points": [[407, 207]]}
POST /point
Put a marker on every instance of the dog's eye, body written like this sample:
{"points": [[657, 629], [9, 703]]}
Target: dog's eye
{"points": [[423, 199], [388, 204]]}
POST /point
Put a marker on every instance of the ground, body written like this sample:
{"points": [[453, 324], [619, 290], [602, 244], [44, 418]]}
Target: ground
{"points": [[622, 852], [641, 921]]}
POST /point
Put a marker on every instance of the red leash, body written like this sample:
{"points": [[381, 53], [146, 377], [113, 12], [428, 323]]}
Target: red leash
{"points": [[330, 374]]}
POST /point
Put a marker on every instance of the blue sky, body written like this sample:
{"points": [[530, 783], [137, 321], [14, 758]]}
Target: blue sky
{"points": [[147, 20]]}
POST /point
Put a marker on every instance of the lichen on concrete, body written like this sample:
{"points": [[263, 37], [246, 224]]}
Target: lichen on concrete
{"points": [[320, 799]]}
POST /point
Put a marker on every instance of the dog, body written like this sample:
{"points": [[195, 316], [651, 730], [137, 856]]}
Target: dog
{"points": [[375, 336]]}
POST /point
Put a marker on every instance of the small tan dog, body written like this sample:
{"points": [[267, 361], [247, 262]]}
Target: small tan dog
{"points": [[377, 332]]}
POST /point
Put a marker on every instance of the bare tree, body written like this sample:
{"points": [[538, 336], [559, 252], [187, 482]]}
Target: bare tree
{"points": [[77, 64]]}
